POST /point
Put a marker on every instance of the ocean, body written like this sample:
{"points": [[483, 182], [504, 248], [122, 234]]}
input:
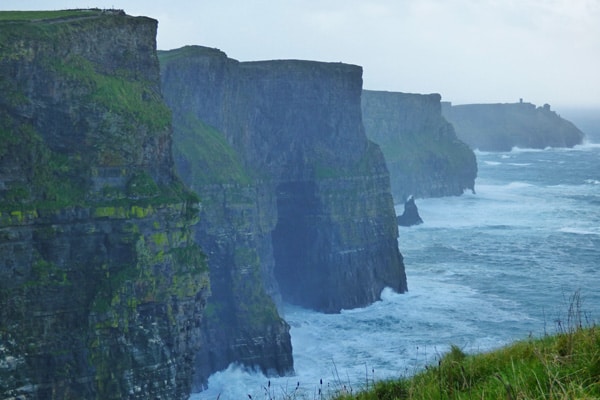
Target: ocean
{"points": [[483, 270]]}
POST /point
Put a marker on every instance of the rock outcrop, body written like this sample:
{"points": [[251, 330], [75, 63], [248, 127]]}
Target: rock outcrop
{"points": [[102, 287], [500, 127], [410, 216], [296, 127], [421, 150]]}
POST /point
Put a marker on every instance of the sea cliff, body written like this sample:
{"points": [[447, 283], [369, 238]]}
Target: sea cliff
{"points": [[422, 152], [241, 321], [102, 287], [500, 127], [296, 128], [299, 200]]}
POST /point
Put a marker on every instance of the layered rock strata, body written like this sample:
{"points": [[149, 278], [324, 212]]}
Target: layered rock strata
{"points": [[297, 128], [422, 152], [299, 205], [102, 287], [241, 321]]}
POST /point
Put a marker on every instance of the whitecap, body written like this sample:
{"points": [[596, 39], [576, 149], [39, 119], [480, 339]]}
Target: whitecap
{"points": [[577, 231], [517, 185], [527, 150], [586, 146], [236, 382], [388, 294], [508, 252], [492, 163]]}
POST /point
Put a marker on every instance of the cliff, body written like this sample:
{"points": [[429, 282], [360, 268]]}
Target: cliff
{"points": [[102, 286], [297, 201], [327, 215], [421, 150], [500, 127], [241, 321]]}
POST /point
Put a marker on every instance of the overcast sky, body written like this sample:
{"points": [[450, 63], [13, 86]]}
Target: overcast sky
{"points": [[469, 51]]}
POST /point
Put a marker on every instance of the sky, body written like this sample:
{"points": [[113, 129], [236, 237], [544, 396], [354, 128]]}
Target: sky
{"points": [[469, 51]]}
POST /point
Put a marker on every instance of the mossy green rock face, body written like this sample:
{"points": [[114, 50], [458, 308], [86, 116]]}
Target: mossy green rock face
{"points": [[241, 322], [421, 150], [297, 131], [500, 127], [102, 286], [80, 107]]}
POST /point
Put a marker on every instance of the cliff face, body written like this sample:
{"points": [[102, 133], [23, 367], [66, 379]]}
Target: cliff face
{"points": [[102, 287], [296, 127], [421, 150], [500, 127], [241, 321]]}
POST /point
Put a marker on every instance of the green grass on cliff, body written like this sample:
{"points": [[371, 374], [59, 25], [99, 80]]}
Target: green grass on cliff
{"points": [[417, 151], [214, 159], [132, 98], [44, 15], [117, 114], [563, 366], [185, 52]]}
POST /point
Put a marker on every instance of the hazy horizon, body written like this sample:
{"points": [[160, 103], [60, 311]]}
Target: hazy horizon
{"points": [[488, 51]]}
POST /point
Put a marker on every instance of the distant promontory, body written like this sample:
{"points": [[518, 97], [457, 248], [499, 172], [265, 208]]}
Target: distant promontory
{"points": [[500, 127], [421, 150]]}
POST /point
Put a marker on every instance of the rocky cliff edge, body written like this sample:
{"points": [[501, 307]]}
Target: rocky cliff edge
{"points": [[102, 287]]}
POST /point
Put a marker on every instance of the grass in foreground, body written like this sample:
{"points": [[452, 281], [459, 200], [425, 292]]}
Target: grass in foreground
{"points": [[563, 366]]}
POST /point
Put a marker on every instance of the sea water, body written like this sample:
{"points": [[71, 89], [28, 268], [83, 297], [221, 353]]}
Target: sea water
{"points": [[484, 270]]}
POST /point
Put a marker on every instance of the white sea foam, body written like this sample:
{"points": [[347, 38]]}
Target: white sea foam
{"points": [[579, 231], [528, 150], [517, 185], [587, 146], [484, 269]]}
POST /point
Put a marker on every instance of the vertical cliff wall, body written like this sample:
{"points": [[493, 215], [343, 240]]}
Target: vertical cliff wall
{"points": [[296, 127], [241, 321], [500, 127], [421, 150], [102, 287]]}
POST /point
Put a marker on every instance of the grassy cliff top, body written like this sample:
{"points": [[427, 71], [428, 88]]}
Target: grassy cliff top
{"points": [[79, 93], [166, 56], [563, 366], [33, 16]]}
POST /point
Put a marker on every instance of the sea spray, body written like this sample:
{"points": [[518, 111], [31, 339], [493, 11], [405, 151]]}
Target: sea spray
{"points": [[483, 270]]}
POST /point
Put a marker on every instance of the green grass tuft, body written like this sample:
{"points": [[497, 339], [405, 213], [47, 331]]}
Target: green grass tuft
{"points": [[563, 366], [215, 159]]}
